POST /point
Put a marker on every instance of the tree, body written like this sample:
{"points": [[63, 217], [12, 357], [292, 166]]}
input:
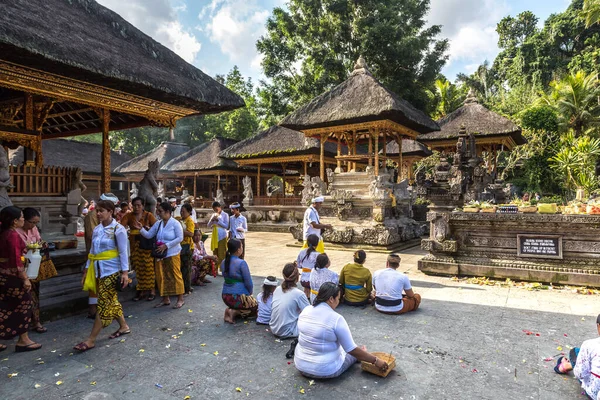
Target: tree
{"points": [[576, 162], [313, 45], [482, 81], [447, 97], [591, 12], [513, 32]]}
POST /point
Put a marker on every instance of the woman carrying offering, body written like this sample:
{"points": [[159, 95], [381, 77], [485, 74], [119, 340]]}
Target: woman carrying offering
{"points": [[288, 303], [357, 281], [202, 263], [321, 274], [325, 347], [238, 286], [187, 246], [169, 235], [141, 260], [108, 265], [306, 262], [31, 235], [15, 299]]}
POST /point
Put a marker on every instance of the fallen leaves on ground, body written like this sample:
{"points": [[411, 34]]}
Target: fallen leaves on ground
{"points": [[14, 374], [238, 389], [37, 386], [216, 353], [202, 344], [93, 383], [485, 281], [58, 383], [142, 350]]}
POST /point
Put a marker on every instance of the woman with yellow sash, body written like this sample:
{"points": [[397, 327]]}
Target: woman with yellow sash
{"points": [[107, 267], [321, 274], [306, 261], [219, 222], [141, 260]]}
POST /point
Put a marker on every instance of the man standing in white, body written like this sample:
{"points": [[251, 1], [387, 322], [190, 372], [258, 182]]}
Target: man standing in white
{"points": [[389, 285], [238, 226], [312, 224]]}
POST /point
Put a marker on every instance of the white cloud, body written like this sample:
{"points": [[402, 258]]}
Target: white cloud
{"points": [[471, 27], [236, 25], [158, 19]]}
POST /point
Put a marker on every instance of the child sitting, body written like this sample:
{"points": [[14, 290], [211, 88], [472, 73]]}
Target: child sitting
{"points": [[265, 300]]}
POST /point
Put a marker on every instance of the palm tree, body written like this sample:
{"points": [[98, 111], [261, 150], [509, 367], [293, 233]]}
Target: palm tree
{"points": [[482, 81], [447, 97], [591, 11], [575, 97], [576, 161]]}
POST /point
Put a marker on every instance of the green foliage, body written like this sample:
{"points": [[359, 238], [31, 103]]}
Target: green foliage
{"points": [[310, 47], [591, 12], [575, 161], [540, 118], [447, 97], [551, 199]]}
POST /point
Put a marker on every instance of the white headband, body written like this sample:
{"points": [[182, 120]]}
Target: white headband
{"points": [[109, 197], [319, 199], [269, 283], [235, 205], [172, 200]]}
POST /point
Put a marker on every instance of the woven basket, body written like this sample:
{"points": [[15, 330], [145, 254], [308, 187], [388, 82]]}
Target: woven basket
{"points": [[528, 209], [388, 358], [471, 209], [488, 210]]}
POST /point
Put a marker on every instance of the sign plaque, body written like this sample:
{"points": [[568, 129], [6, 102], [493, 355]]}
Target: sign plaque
{"points": [[539, 246]]}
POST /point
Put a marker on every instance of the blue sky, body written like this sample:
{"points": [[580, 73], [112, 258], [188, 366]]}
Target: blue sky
{"points": [[215, 35]]}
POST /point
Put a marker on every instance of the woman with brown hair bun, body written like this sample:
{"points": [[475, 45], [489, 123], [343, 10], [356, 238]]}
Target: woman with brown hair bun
{"points": [[357, 281], [288, 303], [238, 286], [15, 299]]}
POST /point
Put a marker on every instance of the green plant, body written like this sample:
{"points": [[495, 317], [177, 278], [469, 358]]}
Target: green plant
{"points": [[550, 199], [576, 162], [422, 201]]}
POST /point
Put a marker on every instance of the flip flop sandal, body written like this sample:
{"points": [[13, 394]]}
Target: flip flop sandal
{"points": [[557, 367], [176, 306], [41, 329], [23, 349], [151, 297], [119, 334], [161, 304], [3, 347], [82, 347]]}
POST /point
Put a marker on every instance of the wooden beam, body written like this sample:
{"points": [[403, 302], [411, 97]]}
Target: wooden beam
{"points": [[195, 179], [136, 124], [322, 157], [105, 151], [376, 151], [258, 182], [399, 141], [370, 149], [339, 152]]}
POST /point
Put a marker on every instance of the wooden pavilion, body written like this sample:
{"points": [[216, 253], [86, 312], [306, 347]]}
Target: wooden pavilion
{"points": [[493, 132], [279, 148], [412, 151], [359, 110], [74, 67]]}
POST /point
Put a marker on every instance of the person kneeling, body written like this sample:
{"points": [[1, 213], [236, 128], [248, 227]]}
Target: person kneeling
{"points": [[389, 285], [325, 346]]}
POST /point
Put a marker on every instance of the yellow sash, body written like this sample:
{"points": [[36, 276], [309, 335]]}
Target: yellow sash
{"points": [[90, 276], [214, 240], [314, 292], [320, 247], [134, 231]]}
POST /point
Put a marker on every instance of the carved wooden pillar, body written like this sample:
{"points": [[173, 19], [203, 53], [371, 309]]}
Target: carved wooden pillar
{"points": [[305, 169], [258, 182], [28, 156], [399, 141], [384, 145], [339, 152], [353, 163], [105, 175], [322, 157], [376, 150], [283, 167], [370, 150], [195, 179]]}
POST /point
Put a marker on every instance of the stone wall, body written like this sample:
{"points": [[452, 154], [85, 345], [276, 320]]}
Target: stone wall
{"points": [[58, 213], [482, 244]]}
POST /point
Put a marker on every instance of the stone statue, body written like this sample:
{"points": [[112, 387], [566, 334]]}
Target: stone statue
{"points": [[220, 197], [4, 179], [318, 187], [248, 194], [185, 194], [306, 191], [275, 185], [77, 184], [133, 191], [377, 189], [330, 179], [148, 188]]}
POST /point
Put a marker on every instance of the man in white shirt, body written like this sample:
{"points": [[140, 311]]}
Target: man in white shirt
{"points": [[219, 222], [312, 224], [238, 226], [177, 209], [389, 286]]}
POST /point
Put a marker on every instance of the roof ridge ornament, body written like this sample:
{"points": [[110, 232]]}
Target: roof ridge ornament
{"points": [[471, 97], [360, 67]]}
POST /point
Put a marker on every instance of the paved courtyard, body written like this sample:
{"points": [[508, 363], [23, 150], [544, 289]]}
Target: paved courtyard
{"points": [[465, 342]]}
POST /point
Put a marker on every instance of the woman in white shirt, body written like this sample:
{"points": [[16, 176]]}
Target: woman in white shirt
{"points": [[306, 262], [219, 222], [325, 346], [321, 274], [288, 303], [169, 235], [109, 261]]}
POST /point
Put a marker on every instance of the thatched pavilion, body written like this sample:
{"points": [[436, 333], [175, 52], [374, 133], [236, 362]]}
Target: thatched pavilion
{"points": [[359, 110], [280, 148], [74, 67], [493, 132], [412, 151]]}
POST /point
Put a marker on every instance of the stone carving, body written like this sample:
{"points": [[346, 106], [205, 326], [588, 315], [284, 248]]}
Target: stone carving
{"points": [[306, 191], [148, 189], [342, 210], [160, 192], [274, 215], [379, 189], [319, 188], [275, 185], [330, 179], [133, 191], [4, 179], [219, 198], [248, 194], [400, 191], [78, 185], [338, 235]]}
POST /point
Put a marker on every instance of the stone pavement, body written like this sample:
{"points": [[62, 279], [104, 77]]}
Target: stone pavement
{"points": [[465, 342]]}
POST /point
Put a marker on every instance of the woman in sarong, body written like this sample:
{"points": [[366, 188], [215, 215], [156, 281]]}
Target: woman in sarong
{"points": [[107, 267], [169, 235], [31, 235], [141, 260], [238, 286], [202, 263], [15, 287]]}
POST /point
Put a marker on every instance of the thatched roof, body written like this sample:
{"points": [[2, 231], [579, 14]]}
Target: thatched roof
{"points": [[477, 120], [83, 40], [72, 153], [360, 98], [277, 140], [164, 152], [409, 148], [203, 157]]}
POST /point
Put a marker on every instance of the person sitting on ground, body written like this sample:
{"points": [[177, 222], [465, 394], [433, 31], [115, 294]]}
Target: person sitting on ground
{"points": [[108, 265], [356, 280], [389, 285], [325, 347], [238, 286], [288, 303], [202, 263], [306, 261], [265, 301], [586, 360], [321, 274]]}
